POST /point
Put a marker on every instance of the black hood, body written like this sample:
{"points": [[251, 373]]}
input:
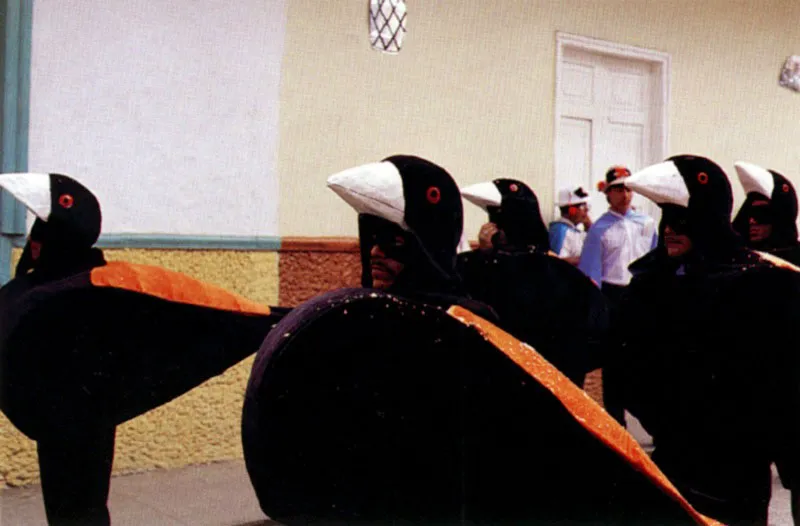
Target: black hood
{"points": [[68, 221], [781, 212], [514, 208], [51, 254], [695, 195], [519, 216], [408, 196]]}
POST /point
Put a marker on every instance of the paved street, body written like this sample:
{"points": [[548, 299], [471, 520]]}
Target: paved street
{"points": [[212, 495]]}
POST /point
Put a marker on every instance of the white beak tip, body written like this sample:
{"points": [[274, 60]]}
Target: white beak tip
{"points": [[32, 189], [482, 194], [662, 183], [374, 188], [754, 178]]}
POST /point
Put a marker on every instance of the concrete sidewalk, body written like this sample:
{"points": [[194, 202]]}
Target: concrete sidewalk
{"points": [[217, 494], [210, 495]]}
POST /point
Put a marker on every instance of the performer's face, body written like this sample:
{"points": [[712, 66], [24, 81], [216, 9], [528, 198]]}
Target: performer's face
{"points": [[385, 269], [760, 230], [676, 242], [619, 198]]}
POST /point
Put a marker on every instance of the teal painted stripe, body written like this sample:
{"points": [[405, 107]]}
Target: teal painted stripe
{"points": [[11, 43], [179, 242], [5, 258]]}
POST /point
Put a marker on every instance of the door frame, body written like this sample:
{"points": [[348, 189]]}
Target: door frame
{"points": [[659, 59]]}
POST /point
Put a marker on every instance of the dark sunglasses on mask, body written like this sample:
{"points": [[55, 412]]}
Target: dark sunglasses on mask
{"points": [[392, 244], [676, 219], [761, 214], [388, 236]]}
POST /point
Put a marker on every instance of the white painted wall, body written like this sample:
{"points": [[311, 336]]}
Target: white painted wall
{"points": [[166, 109]]}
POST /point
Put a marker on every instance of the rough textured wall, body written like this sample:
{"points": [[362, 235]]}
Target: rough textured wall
{"points": [[308, 268], [198, 427], [594, 385]]}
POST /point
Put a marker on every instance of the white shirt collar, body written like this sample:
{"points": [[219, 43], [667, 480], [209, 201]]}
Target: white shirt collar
{"points": [[617, 214]]}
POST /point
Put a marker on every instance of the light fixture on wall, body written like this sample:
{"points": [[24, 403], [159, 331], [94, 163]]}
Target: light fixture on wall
{"points": [[387, 25], [790, 73]]}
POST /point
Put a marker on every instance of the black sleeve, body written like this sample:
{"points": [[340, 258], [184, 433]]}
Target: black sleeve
{"points": [[627, 371], [784, 378], [786, 394]]}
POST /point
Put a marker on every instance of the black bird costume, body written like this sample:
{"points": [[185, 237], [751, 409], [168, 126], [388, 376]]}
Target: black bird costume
{"points": [[367, 408], [86, 345], [707, 357], [779, 211], [539, 298], [370, 407]]}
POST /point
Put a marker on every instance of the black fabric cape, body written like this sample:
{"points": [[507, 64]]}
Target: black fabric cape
{"points": [[363, 407], [708, 362], [545, 302]]}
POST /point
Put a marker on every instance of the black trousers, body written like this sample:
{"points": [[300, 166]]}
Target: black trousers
{"points": [[611, 399], [75, 468]]}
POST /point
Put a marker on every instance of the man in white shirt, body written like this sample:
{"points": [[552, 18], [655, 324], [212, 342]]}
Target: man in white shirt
{"points": [[618, 238], [566, 236]]}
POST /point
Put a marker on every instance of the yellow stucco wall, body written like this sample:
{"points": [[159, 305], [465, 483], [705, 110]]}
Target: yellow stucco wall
{"points": [[200, 426], [474, 90]]}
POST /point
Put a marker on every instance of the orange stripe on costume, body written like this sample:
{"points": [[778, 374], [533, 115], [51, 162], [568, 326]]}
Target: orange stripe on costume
{"points": [[778, 262], [585, 410], [172, 286]]}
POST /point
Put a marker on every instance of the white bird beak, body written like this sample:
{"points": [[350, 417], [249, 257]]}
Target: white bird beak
{"points": [[482, 194], [755, 179], [661, 183], [33, 189], [375, 188]]}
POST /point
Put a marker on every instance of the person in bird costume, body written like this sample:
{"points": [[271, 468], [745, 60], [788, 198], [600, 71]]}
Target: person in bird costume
{"points": [[86, 345], [705, 353], [410, 220], [539, 298], [386, 404], [768, 218]]}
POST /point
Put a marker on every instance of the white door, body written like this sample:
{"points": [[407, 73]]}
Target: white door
{"points": [[609, 113]]}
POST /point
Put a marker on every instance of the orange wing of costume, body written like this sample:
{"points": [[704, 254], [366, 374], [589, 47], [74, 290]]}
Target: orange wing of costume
{"points": [[106, 344]]}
